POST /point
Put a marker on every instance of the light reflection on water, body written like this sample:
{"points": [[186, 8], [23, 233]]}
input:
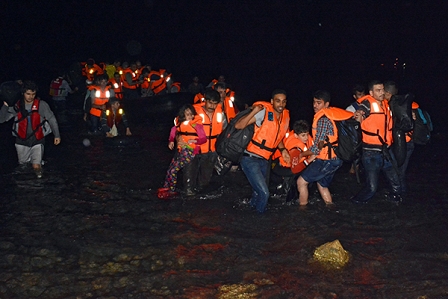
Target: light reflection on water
{"points": [[97, 212]]}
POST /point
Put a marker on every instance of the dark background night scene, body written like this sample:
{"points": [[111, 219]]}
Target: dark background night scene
{"points": [[93, 226], [300, 46]]}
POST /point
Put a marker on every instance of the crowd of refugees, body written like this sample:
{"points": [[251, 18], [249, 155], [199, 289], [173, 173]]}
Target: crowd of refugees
{"points": [[302, 155]]}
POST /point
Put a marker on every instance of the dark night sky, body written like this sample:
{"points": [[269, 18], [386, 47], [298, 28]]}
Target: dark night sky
{"points": [[257, 45]]}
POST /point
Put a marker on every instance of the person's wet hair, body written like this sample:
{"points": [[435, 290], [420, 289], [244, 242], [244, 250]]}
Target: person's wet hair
{"points": [[29, 85], [358, 88], [220, 84], [372, 83], [391, 87], [181, 114], [301, 126], [212, 96], [322, 95], [278, 91]]}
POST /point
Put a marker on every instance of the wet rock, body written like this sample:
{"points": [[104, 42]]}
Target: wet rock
{"points": [[7, 246], [41, 262]]}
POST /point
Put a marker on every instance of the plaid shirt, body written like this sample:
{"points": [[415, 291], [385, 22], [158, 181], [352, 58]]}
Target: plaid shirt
{"points": [[324, 129]]}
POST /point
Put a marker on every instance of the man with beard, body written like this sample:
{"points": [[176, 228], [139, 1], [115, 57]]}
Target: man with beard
{"points": [[271, 121], [198, 173], [376, 125]]}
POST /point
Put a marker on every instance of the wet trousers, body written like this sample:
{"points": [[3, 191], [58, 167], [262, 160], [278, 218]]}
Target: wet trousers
{"points": [[402, 169], [94, 123], [199, 172], [374, 162], [182, 157], [256, 171]]}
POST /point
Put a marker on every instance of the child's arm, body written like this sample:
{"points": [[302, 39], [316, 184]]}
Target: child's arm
{"points": [[202, 138], [172, 137]]}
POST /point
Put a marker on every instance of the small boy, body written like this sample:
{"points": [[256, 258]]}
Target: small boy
{"points": [[297, 142]]}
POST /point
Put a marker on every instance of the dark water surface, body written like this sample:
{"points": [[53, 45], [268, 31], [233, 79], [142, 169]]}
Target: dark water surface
{"points": [[93, 227]]}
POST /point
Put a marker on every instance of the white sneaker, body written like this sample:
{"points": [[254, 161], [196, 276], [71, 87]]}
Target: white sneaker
{"points": [[38, 173]]}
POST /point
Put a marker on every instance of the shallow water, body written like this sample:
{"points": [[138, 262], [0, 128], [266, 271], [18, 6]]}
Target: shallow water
{"points": [[93, 227]]}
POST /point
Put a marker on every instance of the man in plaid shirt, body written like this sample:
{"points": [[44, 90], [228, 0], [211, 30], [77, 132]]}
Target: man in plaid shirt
{"points": [[322, 169]]}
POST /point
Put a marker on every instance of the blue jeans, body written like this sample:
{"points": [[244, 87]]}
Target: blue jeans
{"points": [[374, 162], [94, 123], [321, 171], [256, 170]]}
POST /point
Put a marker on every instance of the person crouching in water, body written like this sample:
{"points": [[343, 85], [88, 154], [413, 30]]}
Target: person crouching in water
{"points": [[297, 142], [189, 133], [113, 120], [33, 120]]}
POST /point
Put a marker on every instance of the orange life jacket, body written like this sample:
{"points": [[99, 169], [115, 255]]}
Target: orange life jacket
{"points": [[146, 83], [159, 84], [175, 87], [138, 71], [332, 113], [198, 98], [291, 142], [229, 108], [213, 83], [377, 127], [212, 127], [134, 79], [21, 124], [271, 132], [117, 87], [91, 72], [101, 98], [187, 130]]}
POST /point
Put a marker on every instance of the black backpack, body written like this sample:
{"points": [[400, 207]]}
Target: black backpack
{"points": [[232, 142], [348, 147], [10, 92], [401, 106], [422, 127]]}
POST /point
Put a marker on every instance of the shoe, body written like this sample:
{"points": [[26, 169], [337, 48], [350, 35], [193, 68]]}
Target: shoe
{"points": [[222, 165], [38, 173], [330, 206], [189, 192], [303, 208], [234, 168], [166, 193], [358, 202], [394, 198]]}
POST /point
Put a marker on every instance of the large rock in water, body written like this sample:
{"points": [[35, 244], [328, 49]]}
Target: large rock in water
{"points": [[156, 109]]}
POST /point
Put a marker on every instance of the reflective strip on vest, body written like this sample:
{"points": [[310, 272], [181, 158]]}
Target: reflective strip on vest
{"points": [[219, 117], [376, 107], [98, 93]]}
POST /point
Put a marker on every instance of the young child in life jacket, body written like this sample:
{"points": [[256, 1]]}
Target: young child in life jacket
{"points": [[297, 142], [189, 133]]}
